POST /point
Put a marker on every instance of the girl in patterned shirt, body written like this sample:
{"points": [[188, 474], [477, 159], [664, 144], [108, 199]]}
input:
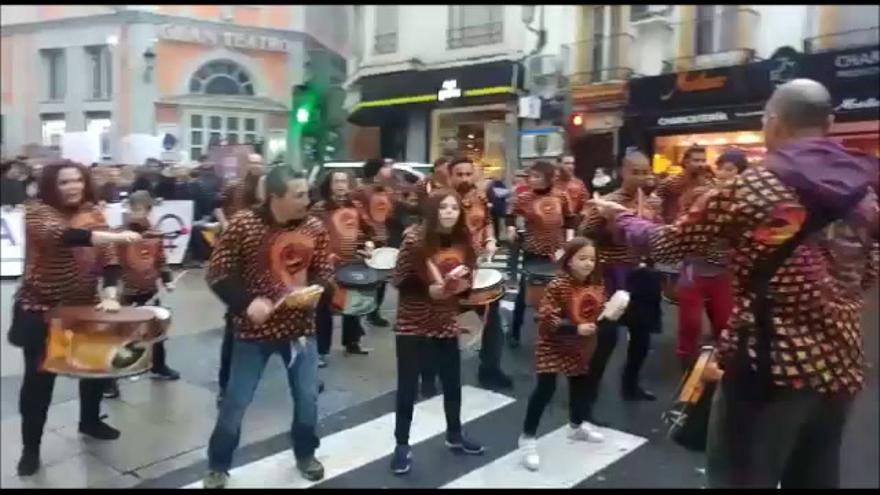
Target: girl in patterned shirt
{"points": [[434, 268], [566, 339]]}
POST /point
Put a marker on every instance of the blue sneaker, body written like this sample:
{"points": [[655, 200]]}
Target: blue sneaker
{"points": [[401, 461], [463, 445]]}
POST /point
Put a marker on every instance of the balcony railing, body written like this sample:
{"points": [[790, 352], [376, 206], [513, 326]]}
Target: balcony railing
{"points": [[385, 43], [477, 35], [598, 60], [843, 39], [728, 38]]}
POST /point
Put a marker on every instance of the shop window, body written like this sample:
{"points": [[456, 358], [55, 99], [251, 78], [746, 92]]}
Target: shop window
{"points": [[474, 25], [221, 78], [100, 123], [386, 29], [55, 73], [669, 150], [715, 29], [100, 66], [477, 134], [53, 126], [206, 130]]}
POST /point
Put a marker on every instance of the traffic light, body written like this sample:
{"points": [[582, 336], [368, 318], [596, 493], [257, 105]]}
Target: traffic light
{"points": [[306, 101]]}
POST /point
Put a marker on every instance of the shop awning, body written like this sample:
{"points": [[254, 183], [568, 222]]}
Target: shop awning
{"points": [[385, 95]]}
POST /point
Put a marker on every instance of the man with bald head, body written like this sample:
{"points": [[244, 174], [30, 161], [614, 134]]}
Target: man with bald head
{"points": [[624, 267], [802, 227]]}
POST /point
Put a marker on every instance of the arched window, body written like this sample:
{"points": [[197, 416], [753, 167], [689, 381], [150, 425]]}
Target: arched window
{"points": [[221, 77]]}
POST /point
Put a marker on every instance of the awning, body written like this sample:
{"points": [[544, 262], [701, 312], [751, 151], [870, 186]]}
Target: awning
{"points": [[384, 96]]}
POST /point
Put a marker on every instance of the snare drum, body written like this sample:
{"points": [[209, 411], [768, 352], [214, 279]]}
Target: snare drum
{"points": [[383, 261], [86, 343], [539, 272], [488, 287], [669, 274], [355, 290]]}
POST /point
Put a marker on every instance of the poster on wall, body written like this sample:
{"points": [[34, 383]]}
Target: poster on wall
{"points": [[81, 147], [173, 218], [12, 247]]}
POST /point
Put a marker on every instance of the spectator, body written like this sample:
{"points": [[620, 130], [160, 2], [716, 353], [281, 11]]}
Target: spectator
{"points": [[497, 192], [110, 192], [12, 184]]}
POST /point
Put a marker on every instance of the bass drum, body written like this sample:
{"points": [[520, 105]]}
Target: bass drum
{"points": [[86, 343], [540, 272], [355, 291]]}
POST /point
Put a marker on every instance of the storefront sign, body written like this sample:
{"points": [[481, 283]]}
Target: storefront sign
{"points": [[685, 82], [204, 36], [700, 118], [858, 104], [11, 242], [450, 90], [862, 63]]}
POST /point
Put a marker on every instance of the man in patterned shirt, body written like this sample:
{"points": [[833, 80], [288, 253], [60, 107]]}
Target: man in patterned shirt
{"points": [[267, 252], [479, 223], [803, 231], [574, 189]]}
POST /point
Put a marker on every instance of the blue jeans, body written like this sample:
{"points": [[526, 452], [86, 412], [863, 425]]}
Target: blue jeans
{"points": [[248, 361]]}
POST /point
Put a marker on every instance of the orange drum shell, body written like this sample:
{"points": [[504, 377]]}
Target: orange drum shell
{"points": [[482, 297], [82, 341]]}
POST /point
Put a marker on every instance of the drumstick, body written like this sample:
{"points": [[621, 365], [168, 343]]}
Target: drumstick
{"points": [[434, 272], [640, 198], [155, 297]]}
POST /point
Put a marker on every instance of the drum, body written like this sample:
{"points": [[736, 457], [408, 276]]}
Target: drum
{"points": [[86, 343], [383, 261], [488, 287], [539, 272], [669, 274], [355, 291], [687, 421]]}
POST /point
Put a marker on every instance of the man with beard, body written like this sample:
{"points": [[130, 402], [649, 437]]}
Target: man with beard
{"points": [[802, 227], [479, 223], [574, 189]]}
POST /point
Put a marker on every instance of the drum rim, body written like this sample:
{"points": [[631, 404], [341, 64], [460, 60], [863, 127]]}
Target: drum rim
{"points": [[376, 280], [370, 262], [493, 284]]}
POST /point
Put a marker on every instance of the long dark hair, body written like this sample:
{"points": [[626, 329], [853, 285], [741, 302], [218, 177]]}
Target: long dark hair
{"points": [[48, 185], [546, 169], [325, 187], [571, 248], [460, 235]]}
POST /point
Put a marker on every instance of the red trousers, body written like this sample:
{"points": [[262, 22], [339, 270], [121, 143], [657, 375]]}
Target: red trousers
{"points": [[715, 292]]}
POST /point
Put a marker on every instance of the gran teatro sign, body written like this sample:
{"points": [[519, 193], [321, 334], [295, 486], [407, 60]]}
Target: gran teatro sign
{"points": [[204, 36]]}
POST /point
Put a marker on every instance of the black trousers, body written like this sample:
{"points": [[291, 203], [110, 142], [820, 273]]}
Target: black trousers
{"points": [[35, 395], [443, 354], [543, 393], [380, 297], [351, 326], [492, 343], [159, 359], [226, 353], [519, 308]]}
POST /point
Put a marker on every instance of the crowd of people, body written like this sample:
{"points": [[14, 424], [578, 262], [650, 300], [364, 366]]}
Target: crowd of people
{"points": [[784, 301]]}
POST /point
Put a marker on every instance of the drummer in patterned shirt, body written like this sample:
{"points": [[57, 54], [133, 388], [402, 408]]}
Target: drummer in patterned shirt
{"points": [[548, 223], [268, 251], [802, 227], [68, 251], [381, 198], [439, 179], [349, 234], [574, 189], [434, 269], [479, 221], [623, 269]]}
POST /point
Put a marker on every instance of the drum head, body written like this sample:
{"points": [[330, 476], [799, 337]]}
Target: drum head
{"points": [[540, 268], [383, 258], [356, 275], [487, 277]]}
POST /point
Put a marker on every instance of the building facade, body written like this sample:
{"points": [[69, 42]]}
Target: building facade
{"points": [[202, 73]]}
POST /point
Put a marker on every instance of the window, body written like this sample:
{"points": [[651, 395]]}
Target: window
{"points": [[207, 130], [54, 127], [56, 75], [221, 78], [606, 46], [100, 66], [474, 25], [100, 123], [716, 29], [386, 29]]}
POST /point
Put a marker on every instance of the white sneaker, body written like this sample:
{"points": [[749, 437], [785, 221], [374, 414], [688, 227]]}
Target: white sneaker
{"points": [[215, 479], [528, 447], [585, 433]]}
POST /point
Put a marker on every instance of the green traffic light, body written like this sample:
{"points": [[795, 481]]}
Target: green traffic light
{"points": [[302, 115]]}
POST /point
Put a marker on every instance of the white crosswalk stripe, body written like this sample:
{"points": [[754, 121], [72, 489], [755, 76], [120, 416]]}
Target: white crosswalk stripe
{"points": [[564, 463]]}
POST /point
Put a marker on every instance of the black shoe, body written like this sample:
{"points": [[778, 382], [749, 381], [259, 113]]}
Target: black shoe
{"points": [[376, 320], [99, 430], [219, 398], [356, 349], [29, 462], [494, 379], [112, 390], [512, 342], [310, 468], [322, 361], [637, 394], [401, 460], [320, 387], [165, 373]]}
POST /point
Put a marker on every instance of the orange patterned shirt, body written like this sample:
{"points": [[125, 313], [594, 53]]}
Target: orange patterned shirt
{"points": [[546, 216], [379, 202], [142, 263], [478, 217], [346, 225], [270, 260], [594, 226], [55, 274]]}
